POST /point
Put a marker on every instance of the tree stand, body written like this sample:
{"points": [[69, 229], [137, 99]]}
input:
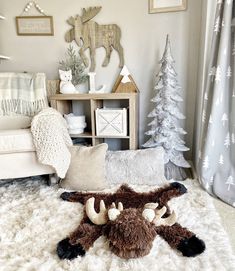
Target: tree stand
{"points": [[177, 173]]}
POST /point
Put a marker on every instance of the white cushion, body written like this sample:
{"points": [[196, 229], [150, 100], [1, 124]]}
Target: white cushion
{"points": [[141, 167], [19, 165], [14, 122], [87, 168], [16, 141]]}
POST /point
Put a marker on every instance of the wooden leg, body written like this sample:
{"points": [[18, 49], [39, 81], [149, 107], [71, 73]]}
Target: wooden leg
{"points": [[53, 179], [107, 57], [93, 63], [133, 120], [83, 57]]}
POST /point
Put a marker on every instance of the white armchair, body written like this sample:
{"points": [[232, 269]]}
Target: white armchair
{"points": [[18, 157], [17, 152]]}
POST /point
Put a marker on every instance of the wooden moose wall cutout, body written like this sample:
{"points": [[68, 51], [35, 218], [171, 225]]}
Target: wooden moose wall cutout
{"points": [[89, 34]]}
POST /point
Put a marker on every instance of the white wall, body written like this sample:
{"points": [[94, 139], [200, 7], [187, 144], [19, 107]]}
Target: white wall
{"points": [[143, 39]]}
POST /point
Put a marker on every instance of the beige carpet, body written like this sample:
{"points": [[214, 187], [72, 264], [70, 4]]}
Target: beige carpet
{"points": [[227, 214]]}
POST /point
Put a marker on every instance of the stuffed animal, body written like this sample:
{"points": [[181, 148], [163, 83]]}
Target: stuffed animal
{"points": [[130, 221], [66, 86]]}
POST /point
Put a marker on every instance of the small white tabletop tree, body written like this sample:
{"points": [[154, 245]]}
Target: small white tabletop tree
{"points": [[164, 127]]}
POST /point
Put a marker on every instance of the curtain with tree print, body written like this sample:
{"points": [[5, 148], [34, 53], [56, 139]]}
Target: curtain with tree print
{"points": [[216, 156]]}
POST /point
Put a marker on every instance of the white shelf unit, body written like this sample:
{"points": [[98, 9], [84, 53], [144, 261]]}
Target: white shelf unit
{"points": [[2, 57]]}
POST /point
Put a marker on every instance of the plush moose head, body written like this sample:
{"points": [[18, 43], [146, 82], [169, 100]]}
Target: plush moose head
{"points": [[130, 231], [130, 221]]}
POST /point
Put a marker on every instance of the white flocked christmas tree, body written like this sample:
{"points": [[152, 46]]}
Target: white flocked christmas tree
{"points": [[164, 127]]}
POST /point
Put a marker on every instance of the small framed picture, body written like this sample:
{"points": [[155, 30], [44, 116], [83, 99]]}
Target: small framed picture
{"points": [[156, 6], [34, 26]]}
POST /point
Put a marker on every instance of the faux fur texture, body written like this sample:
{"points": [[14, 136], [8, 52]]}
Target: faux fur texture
{"points": [[72, 251], [139, 167], [33, 219], [130, 234], [128, 197]]}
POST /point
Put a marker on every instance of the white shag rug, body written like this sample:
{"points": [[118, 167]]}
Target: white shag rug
{"points": [[33, 219]]}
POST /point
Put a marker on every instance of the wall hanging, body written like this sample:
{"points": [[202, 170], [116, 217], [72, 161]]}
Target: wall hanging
{"points": [[89, 34], [156, 6], [34, 25]]}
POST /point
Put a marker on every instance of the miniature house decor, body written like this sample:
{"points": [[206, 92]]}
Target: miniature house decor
{"points": [[125, 83], [76, 124], [111, 122]]}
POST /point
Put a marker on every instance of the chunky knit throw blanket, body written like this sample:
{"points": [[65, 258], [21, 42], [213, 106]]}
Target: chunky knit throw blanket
{"points": [[22, 93], [51, 140]]}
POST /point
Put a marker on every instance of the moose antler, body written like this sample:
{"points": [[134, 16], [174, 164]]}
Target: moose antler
{"points": [[169, 221], [102, 217], [153, 215], [88, 14], [71, 21], [150, 213], [114, 212], [96, 218]]}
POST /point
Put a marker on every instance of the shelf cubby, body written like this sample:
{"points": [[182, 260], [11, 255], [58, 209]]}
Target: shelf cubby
{"points": [[67, 103]]}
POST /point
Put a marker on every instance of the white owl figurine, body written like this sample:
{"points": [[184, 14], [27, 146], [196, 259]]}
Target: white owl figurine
{"points": [[66, 86]]}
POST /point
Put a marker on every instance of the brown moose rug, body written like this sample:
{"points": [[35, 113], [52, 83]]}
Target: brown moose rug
{"points": [[170, 230]]}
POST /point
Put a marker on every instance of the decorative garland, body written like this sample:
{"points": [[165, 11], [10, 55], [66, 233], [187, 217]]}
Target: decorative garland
{"points": [[36, 5]]}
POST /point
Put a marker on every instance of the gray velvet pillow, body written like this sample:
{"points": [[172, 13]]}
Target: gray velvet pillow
{"points": [[87, 169], [143, 167]]}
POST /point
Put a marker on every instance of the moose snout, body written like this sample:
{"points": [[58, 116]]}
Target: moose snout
{"points": [[130, 231], [131, 235]]}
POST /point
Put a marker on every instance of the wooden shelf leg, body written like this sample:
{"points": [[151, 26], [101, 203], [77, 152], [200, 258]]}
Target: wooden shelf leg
{"points": [[97, 141], [94, 104], [133, 123]]}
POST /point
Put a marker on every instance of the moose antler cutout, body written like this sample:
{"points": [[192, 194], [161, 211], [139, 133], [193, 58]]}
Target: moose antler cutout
{"points": [[89, 34], [130, 221]]}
